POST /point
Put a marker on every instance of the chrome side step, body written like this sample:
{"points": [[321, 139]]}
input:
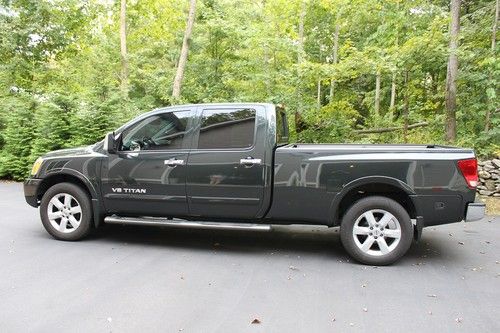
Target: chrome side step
{"points": [[160, 221]]}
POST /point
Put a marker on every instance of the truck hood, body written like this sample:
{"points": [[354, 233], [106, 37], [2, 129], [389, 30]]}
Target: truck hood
{"points": [[70, 152]]}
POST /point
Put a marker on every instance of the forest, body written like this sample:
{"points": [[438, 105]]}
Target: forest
{"points": [[364, 71]]}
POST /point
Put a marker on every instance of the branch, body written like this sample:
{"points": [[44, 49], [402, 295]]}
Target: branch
{"points": [[389, 129]]}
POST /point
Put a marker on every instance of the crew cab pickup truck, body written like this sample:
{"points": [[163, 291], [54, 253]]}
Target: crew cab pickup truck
{"points": [[231, 166]]}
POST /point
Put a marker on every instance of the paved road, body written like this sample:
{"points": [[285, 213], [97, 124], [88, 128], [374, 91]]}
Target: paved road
{"points": [[295, 279]]}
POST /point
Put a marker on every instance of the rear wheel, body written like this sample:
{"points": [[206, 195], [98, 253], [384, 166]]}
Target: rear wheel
{"points": [[376, 231], [66, 212]]}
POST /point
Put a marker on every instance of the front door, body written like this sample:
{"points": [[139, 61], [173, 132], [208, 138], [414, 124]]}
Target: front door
{"points": [[226, 169], [148, 175]]}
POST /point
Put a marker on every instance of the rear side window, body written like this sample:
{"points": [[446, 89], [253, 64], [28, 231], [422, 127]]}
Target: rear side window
{"points": [[222, 129]]}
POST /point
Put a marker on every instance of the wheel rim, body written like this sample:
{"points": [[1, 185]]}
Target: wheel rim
{"points": [[377, 232], [64, 213]]}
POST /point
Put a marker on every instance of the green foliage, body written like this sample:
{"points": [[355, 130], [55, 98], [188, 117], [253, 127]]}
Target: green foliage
{"points": [[60, 68]]}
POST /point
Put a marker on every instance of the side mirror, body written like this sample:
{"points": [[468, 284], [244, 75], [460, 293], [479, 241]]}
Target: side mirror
{"points": [[110, 143]]}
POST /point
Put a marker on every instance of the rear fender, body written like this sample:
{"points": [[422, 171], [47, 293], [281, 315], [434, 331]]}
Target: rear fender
{"points": [[334, 219]]}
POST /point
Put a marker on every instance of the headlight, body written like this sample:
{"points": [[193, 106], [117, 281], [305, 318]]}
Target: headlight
{"points": [[36, 166]]}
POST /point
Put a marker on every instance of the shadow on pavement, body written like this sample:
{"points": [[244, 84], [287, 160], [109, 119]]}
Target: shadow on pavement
{"points": [[305, 239]]}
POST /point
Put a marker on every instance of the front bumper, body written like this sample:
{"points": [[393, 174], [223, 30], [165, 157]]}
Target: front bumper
{"points": [[30, 191], [475, 211]]}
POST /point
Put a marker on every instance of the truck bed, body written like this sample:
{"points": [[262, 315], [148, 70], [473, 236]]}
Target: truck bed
{"points": [[324, 173]]}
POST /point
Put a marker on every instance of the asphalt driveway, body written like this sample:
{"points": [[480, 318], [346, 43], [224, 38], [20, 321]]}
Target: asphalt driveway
{"points": [[294, 279]]}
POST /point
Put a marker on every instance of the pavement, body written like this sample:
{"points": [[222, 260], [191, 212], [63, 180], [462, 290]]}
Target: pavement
{"points": [[294, 279]]}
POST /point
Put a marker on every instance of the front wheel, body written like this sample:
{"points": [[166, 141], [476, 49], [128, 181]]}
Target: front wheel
{"points": [[66, 212], [376, 231]]}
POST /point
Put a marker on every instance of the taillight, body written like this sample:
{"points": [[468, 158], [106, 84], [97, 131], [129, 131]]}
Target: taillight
{"points": [[469, 171]]}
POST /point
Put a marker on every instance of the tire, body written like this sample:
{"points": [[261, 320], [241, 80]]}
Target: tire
{"points": [[363, 237], [70, 212]]}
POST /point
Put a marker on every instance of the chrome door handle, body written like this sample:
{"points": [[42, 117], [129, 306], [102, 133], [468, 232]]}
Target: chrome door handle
{"points": [[173, 162], [250, 161]]}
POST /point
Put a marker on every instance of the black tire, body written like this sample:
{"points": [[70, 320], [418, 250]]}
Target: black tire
{"points": [[85, 217], [376, 203]]}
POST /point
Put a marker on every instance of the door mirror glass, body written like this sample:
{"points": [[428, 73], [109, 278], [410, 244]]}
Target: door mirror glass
{"points": [[110, 143]]}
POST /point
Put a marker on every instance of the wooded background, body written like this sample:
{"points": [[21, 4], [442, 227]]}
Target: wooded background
{"points": [[372, 71]]}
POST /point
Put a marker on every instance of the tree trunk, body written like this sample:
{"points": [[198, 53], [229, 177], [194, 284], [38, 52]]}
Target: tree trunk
{"points": [[377, 93], [406, 109], [393, 84], [299, 124], [179, 75], [451, 74], [123, 48], [335, 56], [318, 97], [393, 92], [493, 49]]}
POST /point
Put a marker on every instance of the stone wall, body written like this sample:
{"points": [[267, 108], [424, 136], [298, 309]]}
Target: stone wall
{"points": [[489, 177]]}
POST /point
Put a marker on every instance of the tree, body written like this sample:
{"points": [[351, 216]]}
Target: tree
{"points": [[123, 47], [493, 54], [179, 75], [451, 74]]}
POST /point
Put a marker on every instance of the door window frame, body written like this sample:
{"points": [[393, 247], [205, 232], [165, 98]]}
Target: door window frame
{"points": [[199, 120], [186, 141]]}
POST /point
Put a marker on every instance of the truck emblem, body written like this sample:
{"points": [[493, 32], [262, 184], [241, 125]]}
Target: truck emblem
{"points": [[128, 190]]}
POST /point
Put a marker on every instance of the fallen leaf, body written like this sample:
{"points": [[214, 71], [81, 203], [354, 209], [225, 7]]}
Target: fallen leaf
{"points": [[363, 286], [256, 321], [451, 235], [110, 319], [458, 320], [351, 324], [461, 243], [293, 268], [487, 242], [482, 252], [432, 295], [365, 309]]}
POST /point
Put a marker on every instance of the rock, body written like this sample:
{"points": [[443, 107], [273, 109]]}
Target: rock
{"points": [[496, 162], [490, 185], [489, 167], [496, 195], [484, 174], [480, 164], [484, 192]]}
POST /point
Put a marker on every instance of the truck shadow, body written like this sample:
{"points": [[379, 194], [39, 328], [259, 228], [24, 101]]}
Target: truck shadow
{"points": [[292, 240]]}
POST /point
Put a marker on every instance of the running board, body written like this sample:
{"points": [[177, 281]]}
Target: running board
{"points": [[160, 221]]}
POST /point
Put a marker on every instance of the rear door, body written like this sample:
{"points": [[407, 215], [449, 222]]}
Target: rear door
{"points": [[226, 172]]}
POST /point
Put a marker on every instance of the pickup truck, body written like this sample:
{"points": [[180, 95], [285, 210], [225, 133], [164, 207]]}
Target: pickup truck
{"points": [[230, 166]]}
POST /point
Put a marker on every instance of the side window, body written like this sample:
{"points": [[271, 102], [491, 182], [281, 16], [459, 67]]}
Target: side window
{"points": [[222, 129], [159, 132]]}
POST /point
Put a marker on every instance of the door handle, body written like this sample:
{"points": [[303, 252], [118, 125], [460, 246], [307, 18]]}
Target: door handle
{"points": [[249, 161], [174, 162]]}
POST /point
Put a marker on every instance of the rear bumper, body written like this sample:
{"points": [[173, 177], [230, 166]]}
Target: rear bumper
{"points": [[30, 191], [475, 211]]}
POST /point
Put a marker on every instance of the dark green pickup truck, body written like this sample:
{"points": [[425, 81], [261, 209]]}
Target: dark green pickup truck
{"points": [[231, 166]]}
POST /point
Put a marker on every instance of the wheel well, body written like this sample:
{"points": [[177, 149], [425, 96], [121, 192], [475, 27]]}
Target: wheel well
{"points": [[380, 189], [56, 179]]}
